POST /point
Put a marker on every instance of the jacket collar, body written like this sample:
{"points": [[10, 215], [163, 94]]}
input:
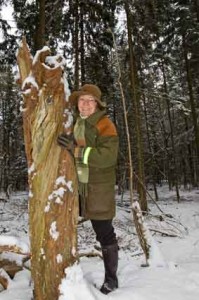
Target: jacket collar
{"points": [[94, 118]]}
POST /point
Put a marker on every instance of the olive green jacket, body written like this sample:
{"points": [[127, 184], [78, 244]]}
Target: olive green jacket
{"points": [[101, 136]]}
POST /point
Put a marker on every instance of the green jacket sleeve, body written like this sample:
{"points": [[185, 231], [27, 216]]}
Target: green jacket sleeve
{"points": [[105, 154]]}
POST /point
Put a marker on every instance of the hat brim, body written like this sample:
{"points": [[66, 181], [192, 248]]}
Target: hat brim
{"points": [[73, 98]]}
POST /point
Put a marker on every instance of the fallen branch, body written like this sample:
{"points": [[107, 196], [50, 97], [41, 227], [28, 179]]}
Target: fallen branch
{"points": [[13, 244], [171, 222], [4, 279], [14, 249], [10, 267], [164, 233]]}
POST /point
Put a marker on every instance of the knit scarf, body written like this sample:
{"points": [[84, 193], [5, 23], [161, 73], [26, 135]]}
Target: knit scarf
{"points": [[82, 169]]}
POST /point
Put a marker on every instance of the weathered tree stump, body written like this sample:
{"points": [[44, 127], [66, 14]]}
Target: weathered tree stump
{"points": [[53, 196]]}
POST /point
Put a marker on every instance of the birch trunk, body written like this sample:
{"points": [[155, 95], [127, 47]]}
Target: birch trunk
{"points": [[53, 196]]}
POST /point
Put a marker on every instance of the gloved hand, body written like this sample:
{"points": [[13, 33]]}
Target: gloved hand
{"points": [[66, 141]]}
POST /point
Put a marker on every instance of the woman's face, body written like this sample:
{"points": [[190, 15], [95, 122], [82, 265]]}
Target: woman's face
{"points": [[87, 105]]}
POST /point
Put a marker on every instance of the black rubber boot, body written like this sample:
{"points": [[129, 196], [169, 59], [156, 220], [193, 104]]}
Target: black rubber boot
{"points": [[110, 256]]}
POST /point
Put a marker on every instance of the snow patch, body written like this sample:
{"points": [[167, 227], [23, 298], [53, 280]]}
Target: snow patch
{"points": [[57, 193], [30, 80], [36, 57], [60, 180], [47, 207], [14, 241], [26, 92], [31, 169], [58, 201], [59, 258], [69, 186], [73, 283], [74, 252], [66, 86], [30, 194], [55, 61], [69, 120], [53, 231], [156, 258], [22, 109]]}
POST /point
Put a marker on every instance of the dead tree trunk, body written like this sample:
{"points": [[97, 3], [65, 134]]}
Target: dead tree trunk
{"points": [[53, 196]]}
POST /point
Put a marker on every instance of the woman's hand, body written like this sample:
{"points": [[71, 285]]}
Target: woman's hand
{"points": [[67, 141]]}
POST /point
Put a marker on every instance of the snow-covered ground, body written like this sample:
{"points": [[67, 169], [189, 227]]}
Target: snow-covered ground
{"points": [[175, 235]]}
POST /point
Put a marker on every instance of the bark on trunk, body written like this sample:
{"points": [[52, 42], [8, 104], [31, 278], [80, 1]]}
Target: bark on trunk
{"points": [[53, 196], [136, 103]]}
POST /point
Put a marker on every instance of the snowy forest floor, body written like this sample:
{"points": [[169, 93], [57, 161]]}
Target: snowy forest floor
{"points": [[176, 237]]}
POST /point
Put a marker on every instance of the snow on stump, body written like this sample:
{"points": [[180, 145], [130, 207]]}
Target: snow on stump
{"points": [[53, 196]]}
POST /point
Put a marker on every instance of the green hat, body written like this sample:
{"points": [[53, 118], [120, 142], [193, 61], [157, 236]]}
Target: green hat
{"points": [[87, 89]]}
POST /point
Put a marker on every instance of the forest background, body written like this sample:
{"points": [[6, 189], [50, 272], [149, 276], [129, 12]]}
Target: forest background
{"points": [[145, 51]]}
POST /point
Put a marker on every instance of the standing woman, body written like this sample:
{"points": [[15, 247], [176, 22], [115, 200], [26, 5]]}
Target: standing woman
{"points": [[95, 148]]}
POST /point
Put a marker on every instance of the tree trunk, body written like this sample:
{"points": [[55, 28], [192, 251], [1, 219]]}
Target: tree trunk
{"points": [[152, 164], [196, 3], [82, 44], [193, 107], [76, 45], [190, 159], [173, 165], [53, 196], [136, 102], [40, 26]]}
